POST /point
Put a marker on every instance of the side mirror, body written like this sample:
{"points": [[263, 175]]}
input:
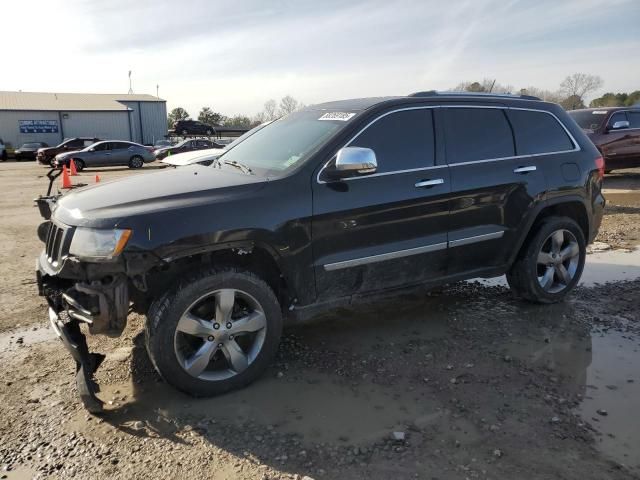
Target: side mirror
{"points": [[92, 149], [355, 160], [620, 124]]}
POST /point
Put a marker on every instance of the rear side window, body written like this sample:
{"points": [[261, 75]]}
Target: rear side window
{"points": [[477, 134], [401, 140], [538, 133], [634, 119]]}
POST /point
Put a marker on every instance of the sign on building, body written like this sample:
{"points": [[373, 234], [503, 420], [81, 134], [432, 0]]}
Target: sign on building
{"points": [[38, 126]]}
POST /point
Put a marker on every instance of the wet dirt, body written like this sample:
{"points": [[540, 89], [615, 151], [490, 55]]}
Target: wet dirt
{"points": [[478, 384]]}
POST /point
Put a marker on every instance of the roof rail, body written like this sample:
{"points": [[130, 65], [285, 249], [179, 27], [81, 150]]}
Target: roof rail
{"points": [[434, 93]]}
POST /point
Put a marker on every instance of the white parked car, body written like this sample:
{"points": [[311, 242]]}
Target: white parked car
{"points": [[208, 155]]}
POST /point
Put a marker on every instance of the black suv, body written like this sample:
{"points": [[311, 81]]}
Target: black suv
{"points": [[193, 127], [337, 200]]}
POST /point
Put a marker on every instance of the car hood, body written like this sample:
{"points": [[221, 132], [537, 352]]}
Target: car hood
{"points": [[188, 158], [106, 205], [47, 149], [67, 153]]}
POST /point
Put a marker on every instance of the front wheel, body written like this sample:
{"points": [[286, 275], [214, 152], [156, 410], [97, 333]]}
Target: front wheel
{"points": [[79, 164], [551, 262], [216, 332], [136, 162]]}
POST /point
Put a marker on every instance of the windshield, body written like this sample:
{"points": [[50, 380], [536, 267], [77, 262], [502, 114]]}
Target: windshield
{"points": [[589, 119], [287, 142]]}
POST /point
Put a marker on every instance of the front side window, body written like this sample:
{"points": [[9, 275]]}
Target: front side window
{"points": [[538, 133], [75, 144], [474, 134], [617, 117], [102, 147], [634, 119], [401, 140]]}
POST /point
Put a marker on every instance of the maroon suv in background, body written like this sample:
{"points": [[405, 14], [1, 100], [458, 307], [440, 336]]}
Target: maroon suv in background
{"points": [[616, 133]]}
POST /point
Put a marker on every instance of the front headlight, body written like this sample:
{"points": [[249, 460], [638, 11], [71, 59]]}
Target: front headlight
{"points": [[91, 243]]}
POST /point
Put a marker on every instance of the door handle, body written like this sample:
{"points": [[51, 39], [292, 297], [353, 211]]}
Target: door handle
{"points": [[430, 183], [530, 168]]}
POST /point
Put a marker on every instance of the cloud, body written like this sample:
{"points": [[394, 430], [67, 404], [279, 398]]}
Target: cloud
{"points": [[235, 55]]}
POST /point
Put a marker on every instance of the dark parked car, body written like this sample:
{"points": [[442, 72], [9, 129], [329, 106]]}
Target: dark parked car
{"points": [[28, 150], [616, 133], [336, 200], [46, 155], [107, 154], [185, 146], [193, 127]]}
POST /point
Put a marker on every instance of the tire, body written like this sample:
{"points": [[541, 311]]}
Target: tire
{"points": [[136, 162], [164, 336], [4, 156], [535, 265], [79, 164]]}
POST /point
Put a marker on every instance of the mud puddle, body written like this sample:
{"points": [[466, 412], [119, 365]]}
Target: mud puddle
{"points": [[13, 340], [601, 267], [604, 369], [317, 408]]}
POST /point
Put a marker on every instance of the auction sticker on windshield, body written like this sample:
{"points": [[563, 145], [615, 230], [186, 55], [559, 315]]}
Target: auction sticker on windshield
{"points": [[342, 116]]}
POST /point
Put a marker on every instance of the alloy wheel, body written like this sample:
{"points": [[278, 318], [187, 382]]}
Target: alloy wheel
{"points": [[558, 261], [220, 334]]}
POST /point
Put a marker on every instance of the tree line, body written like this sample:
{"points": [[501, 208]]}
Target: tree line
{"points": [[271, 111], [571, 93]]}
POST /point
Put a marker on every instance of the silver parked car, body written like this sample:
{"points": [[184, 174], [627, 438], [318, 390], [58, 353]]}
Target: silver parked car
{"points": [[107, 153]]}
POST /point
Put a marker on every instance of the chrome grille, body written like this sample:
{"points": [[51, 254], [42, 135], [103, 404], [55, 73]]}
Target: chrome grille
{"points": [[57, 244]]}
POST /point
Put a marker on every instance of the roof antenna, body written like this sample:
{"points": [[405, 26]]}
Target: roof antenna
{"points": [[130, 88]]}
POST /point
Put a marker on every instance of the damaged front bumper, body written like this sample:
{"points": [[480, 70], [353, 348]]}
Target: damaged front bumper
{"points": [[86, 363], [102, 304]]}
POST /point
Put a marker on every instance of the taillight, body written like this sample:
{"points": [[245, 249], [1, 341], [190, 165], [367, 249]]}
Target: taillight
{"points": [[600, 167]]}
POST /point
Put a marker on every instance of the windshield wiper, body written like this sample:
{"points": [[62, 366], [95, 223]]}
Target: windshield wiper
{"points": [[233, 163]]}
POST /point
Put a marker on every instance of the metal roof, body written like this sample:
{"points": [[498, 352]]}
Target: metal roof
{"points": [[70, 101]]}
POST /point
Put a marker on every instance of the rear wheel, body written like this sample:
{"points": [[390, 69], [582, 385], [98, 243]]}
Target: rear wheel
{"points": [[550, 263], [136, 162], [216, 332]]}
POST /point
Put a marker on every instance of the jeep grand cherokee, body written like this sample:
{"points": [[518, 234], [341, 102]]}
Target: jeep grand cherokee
{"points": [[339, 199]]}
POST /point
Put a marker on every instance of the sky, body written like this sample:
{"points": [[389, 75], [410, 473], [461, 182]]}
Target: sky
{"points": [[233, 56]]}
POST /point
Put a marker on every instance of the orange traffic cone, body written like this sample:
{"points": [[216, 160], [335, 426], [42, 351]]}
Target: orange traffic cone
{"points": [[97, 178], [72, 166], [66, 181]]}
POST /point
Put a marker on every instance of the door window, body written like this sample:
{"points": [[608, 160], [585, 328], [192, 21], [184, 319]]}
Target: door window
{"points": [[401, 140], [538, 133], [634, 119], [101, 147], [477, 134], [617, 117]]}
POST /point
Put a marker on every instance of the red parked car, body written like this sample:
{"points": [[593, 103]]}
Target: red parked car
{"points": [[615, 131]]}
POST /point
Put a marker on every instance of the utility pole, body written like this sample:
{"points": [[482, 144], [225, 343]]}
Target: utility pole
{"points": [[130, 88], [157, 90]]}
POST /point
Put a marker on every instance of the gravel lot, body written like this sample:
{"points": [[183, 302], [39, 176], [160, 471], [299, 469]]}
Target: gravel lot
{"points": [[464, 382]]}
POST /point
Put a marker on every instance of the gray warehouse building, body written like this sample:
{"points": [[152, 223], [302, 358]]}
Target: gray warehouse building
{"points": [[52, 117]]}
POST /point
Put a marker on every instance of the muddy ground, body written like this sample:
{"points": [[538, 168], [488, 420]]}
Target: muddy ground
{"points": [[474, 383]]}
